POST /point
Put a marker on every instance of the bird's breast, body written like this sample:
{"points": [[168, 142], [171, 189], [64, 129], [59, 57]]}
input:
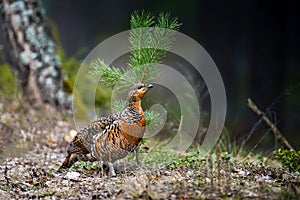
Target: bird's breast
{"points": [[132, 131]]}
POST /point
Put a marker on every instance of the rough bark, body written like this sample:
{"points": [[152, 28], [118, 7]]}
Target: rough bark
{"points": [[33, 55]]}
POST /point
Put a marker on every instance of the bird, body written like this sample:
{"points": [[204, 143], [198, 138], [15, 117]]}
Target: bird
{"points": [[112, 137]]}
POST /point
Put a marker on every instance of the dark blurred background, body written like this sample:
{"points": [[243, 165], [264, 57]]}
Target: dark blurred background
{"points": [[255, 45]]}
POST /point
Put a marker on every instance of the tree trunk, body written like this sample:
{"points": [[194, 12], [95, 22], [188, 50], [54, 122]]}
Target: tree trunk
{"points": [[33, 55]]}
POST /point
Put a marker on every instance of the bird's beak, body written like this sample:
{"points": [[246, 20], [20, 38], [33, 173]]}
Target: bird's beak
{"points": [[150, 86]]}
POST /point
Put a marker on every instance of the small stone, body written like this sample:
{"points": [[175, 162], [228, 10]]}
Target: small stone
{"points": [[173, 196], [167, 173], [243, 173], [198, 192], [72, 176], [189, 173], [65, 182], [207, 180]]}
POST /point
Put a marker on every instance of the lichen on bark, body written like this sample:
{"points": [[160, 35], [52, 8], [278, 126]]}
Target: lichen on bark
{"points": [[33, 54]]}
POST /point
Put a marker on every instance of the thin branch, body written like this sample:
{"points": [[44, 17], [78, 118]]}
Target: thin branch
{"points": [[249, 135], [277, 134]]}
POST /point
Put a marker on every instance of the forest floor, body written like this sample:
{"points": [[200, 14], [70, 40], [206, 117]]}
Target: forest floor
{"points": [[31, 156]]}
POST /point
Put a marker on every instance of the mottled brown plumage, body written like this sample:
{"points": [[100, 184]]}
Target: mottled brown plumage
{"points": [[113, 137]]}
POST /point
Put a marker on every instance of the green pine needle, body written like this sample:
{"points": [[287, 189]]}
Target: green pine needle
{"points": [[149, 47], [109, 76], [141, 19], [165, 21], [153, 119]]}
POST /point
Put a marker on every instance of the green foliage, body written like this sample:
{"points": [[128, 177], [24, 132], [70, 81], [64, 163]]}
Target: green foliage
{"points": [[141, 19], [70, 66], [289, 159], [225, 144], [7, 80], [109, 76], [165, 156], [87, 165], [148, 48], [191, 160], [152, 119], [159, 157]]}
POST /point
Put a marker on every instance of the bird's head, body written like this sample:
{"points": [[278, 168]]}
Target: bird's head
{"points": [[137, 92]]}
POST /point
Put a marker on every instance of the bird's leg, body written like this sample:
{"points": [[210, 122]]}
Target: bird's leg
{"points": [[111, 169], [101, 167], [66, 163], [136, 155], [73, 160]]}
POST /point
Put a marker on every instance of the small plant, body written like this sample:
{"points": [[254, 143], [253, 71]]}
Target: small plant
{"points": [[88, 165], [165, 156], [148, 48], [289, 159]]}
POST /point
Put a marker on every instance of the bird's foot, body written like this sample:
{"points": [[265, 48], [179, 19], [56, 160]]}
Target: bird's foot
{"points": [[111, 170]]}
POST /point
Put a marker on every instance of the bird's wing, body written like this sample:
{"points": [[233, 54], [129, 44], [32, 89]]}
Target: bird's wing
{"points": [[83, 140], [109, 145], [116, 140]]}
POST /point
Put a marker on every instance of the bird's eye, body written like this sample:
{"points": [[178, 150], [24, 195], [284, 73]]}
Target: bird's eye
{"points": [[140, 87]]}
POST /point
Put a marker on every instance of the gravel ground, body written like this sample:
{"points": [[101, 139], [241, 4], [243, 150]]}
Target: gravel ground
{"points": [[31, 157]]}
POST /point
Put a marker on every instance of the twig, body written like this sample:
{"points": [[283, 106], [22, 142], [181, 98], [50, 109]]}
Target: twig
{"points": [[277, 134], [5, 174], [249, 135]]}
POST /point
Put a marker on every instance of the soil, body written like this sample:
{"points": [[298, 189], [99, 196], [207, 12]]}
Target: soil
{"points": [[31, 156]]}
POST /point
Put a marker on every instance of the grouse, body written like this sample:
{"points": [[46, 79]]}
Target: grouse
{"points": [[113, 137]]}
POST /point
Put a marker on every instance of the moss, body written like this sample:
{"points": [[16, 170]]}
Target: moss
{"points": [[7, 80], [70, 66], [289, 159]]}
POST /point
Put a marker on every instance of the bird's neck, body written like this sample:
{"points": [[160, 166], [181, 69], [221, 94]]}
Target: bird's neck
{"points": [[135, 106], [133, 111]]}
